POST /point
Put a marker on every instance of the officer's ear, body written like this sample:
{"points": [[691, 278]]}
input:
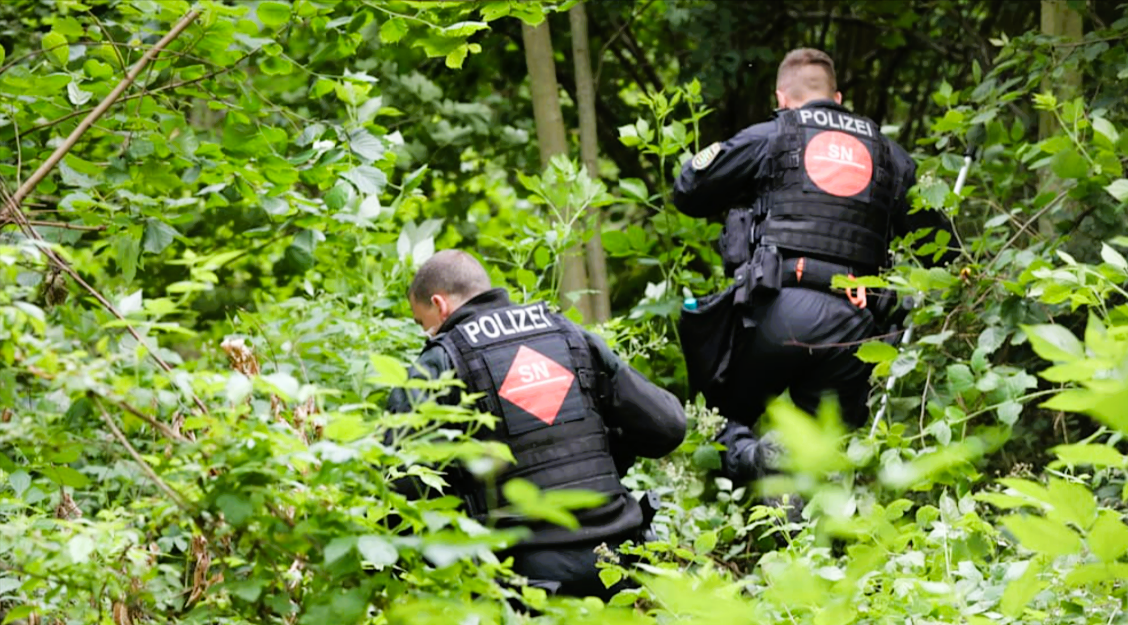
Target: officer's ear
{"points": [[838, 97], [781, 99], [443, 304]]}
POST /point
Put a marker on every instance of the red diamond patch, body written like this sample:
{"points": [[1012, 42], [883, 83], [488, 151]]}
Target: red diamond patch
{"points": [[537, 384]]}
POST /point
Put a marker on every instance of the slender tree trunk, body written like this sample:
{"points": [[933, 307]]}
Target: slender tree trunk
{"points": [[552, 140], [1057, 20], [589, 153]]}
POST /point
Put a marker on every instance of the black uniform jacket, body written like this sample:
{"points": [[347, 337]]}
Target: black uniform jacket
{"points": [[643, 420], [729, 179]]}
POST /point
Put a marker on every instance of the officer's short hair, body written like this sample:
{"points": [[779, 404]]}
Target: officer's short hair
{"points": [[450, 272], [791, 68]]}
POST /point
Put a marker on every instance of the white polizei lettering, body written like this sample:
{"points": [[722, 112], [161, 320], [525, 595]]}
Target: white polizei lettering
{"points": [[507, 331], [472, 330], [490, 329], [804, 117], [518, 319], [836, 121], [536, 317]]}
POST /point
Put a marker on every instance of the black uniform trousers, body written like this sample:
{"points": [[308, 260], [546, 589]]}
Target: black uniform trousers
{"points": [[804, 341]]}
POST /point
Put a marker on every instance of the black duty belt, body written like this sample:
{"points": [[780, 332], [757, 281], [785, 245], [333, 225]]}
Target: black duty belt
{"points": [[816, 274]]}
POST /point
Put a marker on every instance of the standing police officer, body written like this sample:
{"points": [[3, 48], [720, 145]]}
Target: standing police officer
{"points": [[574, 415], [814, 192]]}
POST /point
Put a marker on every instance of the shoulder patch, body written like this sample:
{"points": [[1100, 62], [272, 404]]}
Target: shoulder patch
{"points": [[702, 159]]}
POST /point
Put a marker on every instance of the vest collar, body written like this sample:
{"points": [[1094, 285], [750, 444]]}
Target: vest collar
{"points": [[488, 300]]}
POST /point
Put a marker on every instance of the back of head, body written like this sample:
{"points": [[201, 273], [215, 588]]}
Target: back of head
{"points": [[806, 74], [451, 273]]}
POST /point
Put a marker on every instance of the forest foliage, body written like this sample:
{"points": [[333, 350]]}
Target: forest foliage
{"points": [[202, 309]]}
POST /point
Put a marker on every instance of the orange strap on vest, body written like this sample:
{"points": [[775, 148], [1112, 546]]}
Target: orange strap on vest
{"points": [[858, 300]]}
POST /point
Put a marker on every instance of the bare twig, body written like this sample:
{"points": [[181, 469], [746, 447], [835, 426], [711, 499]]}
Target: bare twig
{"points": [[145, 468], [65, 226], [164, 429]]}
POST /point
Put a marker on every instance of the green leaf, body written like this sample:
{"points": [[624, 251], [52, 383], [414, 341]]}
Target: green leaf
{"points": [[377, 550], [1053, 342], [1113, 257], [1009, 412], [368, 180], [705, 543], [65, 476], [707, 457], [389, 371], [1108, 539], [3, 54], [235, 509], [610, 577], [273, 14], [20, 482], [1089, 454], [17, 613], [55, 45], [1021, 591], [1069, 164], [1042, 535], [338, 548], [1072, 503], [634, 189], [1104, 127], [876, 352], [79, 548], [393, 30], [283, 384], [1118, 189], [960, 378], [366, 146], [158, 236]]}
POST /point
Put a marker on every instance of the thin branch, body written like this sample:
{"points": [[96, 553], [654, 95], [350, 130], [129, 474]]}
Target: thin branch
{"points": [[145, 468], [65, 226], [164, 429]]}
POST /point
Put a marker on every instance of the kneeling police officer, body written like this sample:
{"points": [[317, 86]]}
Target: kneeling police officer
{"points": [[814, 192], [574, 415]]}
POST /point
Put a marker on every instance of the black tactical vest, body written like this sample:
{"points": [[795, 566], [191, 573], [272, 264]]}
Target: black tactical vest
{"points": [[830, 192], [536, 373]]}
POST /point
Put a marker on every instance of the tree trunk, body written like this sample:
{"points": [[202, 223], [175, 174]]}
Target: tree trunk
{"points": [[552, 140], [589, 154], [1058, 20]]}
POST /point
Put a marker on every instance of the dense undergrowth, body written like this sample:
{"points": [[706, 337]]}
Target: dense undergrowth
{"points": [[246, 479]]}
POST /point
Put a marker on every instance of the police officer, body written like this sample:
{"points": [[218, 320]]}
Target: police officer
{"points": [[574, 415], [814, 192]]}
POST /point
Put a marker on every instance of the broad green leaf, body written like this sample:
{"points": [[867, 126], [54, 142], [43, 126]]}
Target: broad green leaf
{"points": [[393, 30], [1009, 412], [65, 476], [1069, 164], [634, 189], [706, 457], [1072, 503], [239, 387], [1106, 128], [273, 14], [389, 371], [338, 548], [284, 384], [158, 236], [79, 548], [960, 378], [1042, 535], [368, 180], [377, 550], [1113, 257], [876, 352], [1118, 189], [1021, 591], [236, 509], [20, 482], [366, 146], [56, 47], [705, 543], [1089, 454], [610, 577], [1053, 342], [1108, 538]]}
